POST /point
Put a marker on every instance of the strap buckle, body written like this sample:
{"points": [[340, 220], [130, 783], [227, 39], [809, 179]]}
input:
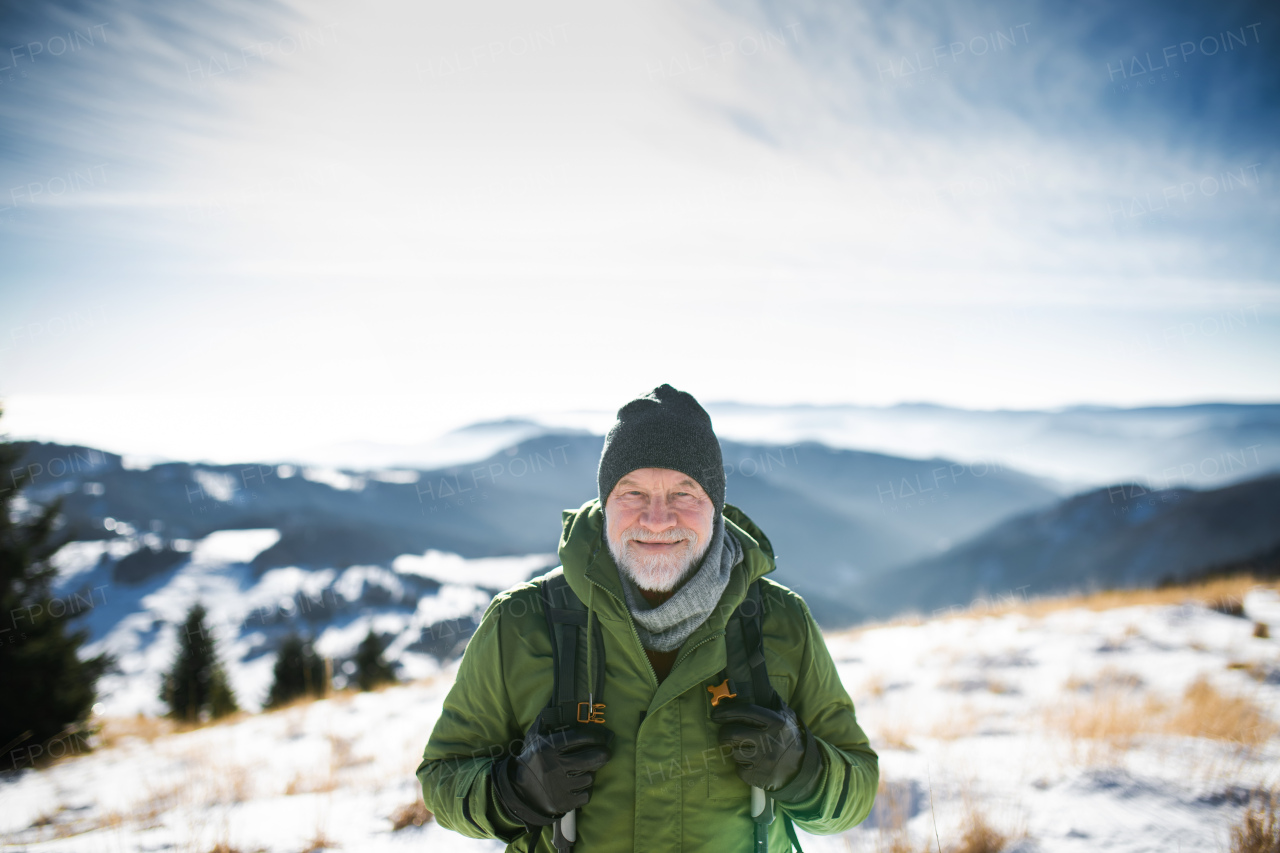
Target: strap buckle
{"points": [[721, 691], [593, 713]]}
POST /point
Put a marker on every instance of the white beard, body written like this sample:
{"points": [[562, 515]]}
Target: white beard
{"points": [[657, 572]]}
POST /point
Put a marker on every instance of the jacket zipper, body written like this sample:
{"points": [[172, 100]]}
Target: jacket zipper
{"points": [[689, 650], [653, 674]]}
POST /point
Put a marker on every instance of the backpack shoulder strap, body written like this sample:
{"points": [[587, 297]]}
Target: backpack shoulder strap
{"points": [[748, 679], [567, 627], [744, 651]]}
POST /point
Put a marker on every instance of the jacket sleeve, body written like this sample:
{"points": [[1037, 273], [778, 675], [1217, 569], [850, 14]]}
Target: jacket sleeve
{"points": [[851, 768], [476, 726]]}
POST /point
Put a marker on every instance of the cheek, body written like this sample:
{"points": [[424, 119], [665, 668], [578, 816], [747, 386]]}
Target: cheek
{"points": [[617, 520], [698, 522]]}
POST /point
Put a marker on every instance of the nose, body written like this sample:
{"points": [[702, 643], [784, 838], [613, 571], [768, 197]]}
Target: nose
{"points": [[658, 515]]}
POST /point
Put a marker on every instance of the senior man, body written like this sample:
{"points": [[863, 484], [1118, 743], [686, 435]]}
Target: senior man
{"points": [[679, 741]]}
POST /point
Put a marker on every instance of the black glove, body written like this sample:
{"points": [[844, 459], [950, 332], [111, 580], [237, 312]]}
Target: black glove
{"points": [[552, 774], [773, 749]]}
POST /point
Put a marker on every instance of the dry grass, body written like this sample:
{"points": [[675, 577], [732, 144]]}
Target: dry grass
{"points": [[1000, 687], [1107, 722], [320, 842], [892, 811], [63, 822], [1259, 828], [226, 784], [1222, 594], [1112, 713], [1111, 719], [873, 687], [895, 736], [1208, 713], [979, 836], [340, 752], [900, 842], [311, 783], [414, 814], [116, 730], [1259, 672]]}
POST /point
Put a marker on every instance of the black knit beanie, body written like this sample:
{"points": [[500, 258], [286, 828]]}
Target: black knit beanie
{"points": [[665, 428]]}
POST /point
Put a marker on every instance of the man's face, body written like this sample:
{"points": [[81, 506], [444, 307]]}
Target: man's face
{"points": [[658, 526]]}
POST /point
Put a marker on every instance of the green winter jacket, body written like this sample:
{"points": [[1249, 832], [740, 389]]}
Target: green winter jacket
{"points": [[668, 785]]}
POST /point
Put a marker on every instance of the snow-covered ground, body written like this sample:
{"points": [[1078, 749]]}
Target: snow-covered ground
{"points": [[421, 597], [970, 713]]}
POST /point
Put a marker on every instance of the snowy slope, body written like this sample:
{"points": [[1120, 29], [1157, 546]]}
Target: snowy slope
{"points": [[964, 710], [424, 607]]}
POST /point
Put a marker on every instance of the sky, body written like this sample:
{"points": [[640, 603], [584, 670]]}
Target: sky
{"points": [[237, 231]]}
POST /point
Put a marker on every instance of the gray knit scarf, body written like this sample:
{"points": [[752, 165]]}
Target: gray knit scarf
{"points": [[665, 628]]}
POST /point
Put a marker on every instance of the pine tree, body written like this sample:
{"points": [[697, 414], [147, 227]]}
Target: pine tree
{"points": [[196, 683], [47, 690], [299, 671], [372, 668]]}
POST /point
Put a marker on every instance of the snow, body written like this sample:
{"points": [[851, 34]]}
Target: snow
{"points": [[233, 546], [138, 462], [496, 573], [218, 485], [334, 478], [249, 613], [1263, 605], [962, 710], [396, 476], [76, 558]]}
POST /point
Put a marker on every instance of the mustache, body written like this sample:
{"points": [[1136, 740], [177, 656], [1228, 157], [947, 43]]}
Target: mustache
{"points": [[674, 535]]}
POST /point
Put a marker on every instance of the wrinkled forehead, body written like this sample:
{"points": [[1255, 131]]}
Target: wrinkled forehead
{"points": [[650, 478]]}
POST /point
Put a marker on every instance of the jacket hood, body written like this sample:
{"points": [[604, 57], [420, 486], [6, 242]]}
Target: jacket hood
{"points": [[588, 563]]}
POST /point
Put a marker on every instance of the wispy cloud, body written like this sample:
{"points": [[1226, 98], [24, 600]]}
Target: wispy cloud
{"points": [[475, 185]]}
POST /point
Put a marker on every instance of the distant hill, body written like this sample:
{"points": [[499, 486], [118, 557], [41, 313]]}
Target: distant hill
{"points": [[1160, 447], [1121, 536], [832, 515], [1205, 445], [835, 516]]}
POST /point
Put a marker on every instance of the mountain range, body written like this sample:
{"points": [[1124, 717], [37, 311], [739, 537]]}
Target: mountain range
{"points": [[1202, 445], [1120, 536], [416, 553], [833, 515]]}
